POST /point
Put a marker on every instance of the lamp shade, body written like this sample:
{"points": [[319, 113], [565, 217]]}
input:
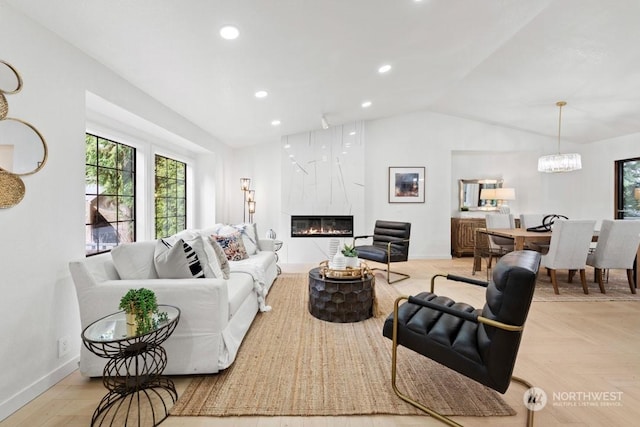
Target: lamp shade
{"points": [[245, 183], [488, 194], [560, 163], [636, 193], [505, 193]]}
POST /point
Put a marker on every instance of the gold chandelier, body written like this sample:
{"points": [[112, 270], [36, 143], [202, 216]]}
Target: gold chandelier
{"points": [[559, 162]]}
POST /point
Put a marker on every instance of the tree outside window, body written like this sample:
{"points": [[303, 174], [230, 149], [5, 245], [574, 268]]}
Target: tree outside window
{"points": [[628, 188], [110, 183], [170, 196]]}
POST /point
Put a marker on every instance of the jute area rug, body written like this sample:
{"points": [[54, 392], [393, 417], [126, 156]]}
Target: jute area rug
{"points": [[291, 363]]}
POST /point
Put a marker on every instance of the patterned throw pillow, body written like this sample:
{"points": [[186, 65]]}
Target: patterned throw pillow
{"points": [[178, 261], [232, 246], [221, 258]]}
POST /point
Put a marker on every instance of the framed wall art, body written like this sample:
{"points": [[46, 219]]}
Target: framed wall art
{"points": [[406, 184]]}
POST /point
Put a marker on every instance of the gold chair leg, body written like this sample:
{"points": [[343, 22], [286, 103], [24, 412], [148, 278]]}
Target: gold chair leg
{"points": [[388, 271], [394, 369], [528, 385], [394, 358]]}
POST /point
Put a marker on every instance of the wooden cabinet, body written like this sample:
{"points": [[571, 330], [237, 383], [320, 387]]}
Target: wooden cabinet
{"points": [[463, 231]]}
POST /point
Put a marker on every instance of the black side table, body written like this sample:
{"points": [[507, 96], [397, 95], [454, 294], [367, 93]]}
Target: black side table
{"points": [[138, 393], [341, 300]]}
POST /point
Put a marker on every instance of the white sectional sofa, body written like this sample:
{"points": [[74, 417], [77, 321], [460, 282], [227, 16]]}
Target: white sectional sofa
{"points": [[216, 313]]}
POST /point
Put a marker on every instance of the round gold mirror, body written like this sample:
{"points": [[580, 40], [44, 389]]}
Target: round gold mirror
{"points": [[23, 150], [10, 80]]}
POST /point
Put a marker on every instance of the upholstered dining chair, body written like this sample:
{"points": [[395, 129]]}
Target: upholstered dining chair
{"points": [[482, 250], [568, 249], [530, 220], [533, 220], [390, 244], [616, 249], [496, 243], [481, 344]]}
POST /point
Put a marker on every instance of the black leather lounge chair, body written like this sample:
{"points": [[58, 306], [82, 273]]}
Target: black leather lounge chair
{"points": [[480, 344], [390, 244]]}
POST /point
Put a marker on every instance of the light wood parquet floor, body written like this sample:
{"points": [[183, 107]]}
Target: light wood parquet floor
{"points": [[572, 350]]}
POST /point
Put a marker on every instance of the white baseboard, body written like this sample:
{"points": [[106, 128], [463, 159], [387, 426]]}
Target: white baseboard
{"points": [[32, 391]]}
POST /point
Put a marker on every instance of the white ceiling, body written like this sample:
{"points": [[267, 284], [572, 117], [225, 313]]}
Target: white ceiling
{"points": [[496, 61]]}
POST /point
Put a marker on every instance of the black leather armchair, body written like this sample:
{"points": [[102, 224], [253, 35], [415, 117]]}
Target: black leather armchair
{"points": [[480, 344], [390, 244]]}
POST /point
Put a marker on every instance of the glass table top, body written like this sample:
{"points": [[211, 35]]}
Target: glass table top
{"points": [[114, 326]]}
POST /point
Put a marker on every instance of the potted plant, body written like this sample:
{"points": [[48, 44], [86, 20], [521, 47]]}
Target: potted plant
{"points": [[139, 305], [351, 255]]}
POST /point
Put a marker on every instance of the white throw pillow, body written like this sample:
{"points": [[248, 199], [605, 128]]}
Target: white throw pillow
{"points": [[249, 237], [179, 261], [205, 251], [134, 261]]}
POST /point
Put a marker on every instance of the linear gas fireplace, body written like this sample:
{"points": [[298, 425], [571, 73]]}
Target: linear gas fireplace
{"points": [[321, 225]]}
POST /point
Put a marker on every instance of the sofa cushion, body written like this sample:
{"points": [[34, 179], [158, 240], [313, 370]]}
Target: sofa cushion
{"points": [[239, 286], [134, 261], [178, 261], [232, 246], [261, 261]]}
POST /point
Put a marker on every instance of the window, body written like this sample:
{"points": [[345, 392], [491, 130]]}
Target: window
{"points": [[171, 196], [627, 189], [110, 182]]}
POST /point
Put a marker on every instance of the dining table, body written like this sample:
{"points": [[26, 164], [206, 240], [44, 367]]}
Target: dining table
{"points": [[521, 237]]}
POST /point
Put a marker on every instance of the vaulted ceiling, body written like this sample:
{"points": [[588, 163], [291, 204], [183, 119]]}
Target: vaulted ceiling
{"points": [[504, 62]]}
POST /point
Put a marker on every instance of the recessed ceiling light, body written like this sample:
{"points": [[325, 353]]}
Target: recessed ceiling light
{"points": [[287, 145], [275, 123], [385, 68], [353, 132], [366, 104], [229, 32], [261, 94]]}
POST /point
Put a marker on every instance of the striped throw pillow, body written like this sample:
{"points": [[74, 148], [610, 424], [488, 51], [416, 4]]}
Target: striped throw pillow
{"points": [[177, 261]]}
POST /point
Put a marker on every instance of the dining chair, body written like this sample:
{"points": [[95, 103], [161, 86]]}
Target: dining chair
{"points": [[482, 250], [568, 249], [617, 247], [496, 243], [530, 220], [534, 220]]}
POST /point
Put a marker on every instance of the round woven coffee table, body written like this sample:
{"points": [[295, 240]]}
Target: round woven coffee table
{"points": [[341, 300]]}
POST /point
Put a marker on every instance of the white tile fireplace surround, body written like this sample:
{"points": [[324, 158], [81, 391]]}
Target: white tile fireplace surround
{"points": [[322, 175]]}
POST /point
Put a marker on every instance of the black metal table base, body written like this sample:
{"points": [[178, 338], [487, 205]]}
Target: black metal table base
{"points": [[136, 408]]}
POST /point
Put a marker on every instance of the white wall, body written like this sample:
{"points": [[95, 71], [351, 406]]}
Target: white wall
{"points": [[439, 143], [46, 230], [450, 149]]}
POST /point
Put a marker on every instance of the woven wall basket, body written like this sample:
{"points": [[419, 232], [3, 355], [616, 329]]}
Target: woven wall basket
{"points": [[12, 189]]}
